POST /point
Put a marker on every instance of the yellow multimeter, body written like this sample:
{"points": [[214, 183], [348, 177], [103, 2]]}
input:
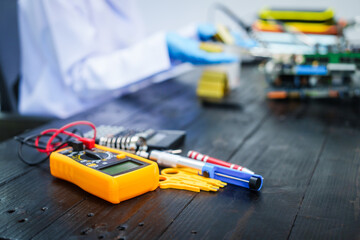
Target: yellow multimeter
{"points": [[110, 174]]}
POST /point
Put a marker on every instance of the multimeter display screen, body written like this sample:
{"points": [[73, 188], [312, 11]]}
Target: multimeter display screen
{"points": [[121, 167]]}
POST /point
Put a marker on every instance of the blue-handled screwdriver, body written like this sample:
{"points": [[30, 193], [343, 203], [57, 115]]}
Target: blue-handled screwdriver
{"points": [[243, 179]]}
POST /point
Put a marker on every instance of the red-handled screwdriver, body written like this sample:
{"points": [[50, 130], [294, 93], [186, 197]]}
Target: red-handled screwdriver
{"points": [[205, 158]]}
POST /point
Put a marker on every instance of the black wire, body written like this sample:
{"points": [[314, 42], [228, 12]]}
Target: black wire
{"points": [[32, 138], [29, 141], [38, 162]]}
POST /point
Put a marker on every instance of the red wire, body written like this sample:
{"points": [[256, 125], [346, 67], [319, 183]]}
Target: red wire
{"points": [[56, 144], [50, 147]]}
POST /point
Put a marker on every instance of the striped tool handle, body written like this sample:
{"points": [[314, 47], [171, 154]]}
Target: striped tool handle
{"points": [[205, 158]]}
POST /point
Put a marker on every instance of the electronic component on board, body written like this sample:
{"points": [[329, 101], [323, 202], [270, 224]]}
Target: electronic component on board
{"points": [[335, 74]]}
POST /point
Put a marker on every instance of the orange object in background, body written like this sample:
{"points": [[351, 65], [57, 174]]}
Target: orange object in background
{"points": [[277, 95], [333, 94]]}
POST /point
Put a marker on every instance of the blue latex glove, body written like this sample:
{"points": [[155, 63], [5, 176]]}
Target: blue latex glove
{"points": [[187, 50], [207, 30]]}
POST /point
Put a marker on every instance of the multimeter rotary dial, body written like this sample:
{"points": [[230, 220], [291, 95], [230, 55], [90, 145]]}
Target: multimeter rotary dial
{"points": [[90, 155]]}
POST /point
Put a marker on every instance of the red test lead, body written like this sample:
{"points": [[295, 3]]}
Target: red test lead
{"points": [[206, 158]]}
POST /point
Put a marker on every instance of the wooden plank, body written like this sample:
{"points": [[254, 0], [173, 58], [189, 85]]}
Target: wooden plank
{"points": [[284, 150], [11, 165], [156, 217], [284, 147], [115, 221], [331, 205], [117, 110], [33, 201]]}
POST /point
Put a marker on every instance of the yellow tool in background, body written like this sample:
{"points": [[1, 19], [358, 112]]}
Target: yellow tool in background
{"points": [[223, 35], [212, 85], [306, 21], [187, 179], [211, 47]]}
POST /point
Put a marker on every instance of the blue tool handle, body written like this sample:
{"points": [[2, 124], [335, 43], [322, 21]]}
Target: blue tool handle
{"points": [[228, 175]]}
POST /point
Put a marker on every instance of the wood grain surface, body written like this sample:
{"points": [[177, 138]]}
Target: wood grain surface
{"points": [[307, 151]]}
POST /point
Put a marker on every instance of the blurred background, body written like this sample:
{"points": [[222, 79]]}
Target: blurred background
{"points": [[157, 15], [170, 15]]}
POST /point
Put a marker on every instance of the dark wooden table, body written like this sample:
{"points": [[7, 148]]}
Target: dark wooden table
{"points": [[308, 153]]}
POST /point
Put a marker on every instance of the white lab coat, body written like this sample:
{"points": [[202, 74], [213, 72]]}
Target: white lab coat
{"points": [[77, 54]]}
